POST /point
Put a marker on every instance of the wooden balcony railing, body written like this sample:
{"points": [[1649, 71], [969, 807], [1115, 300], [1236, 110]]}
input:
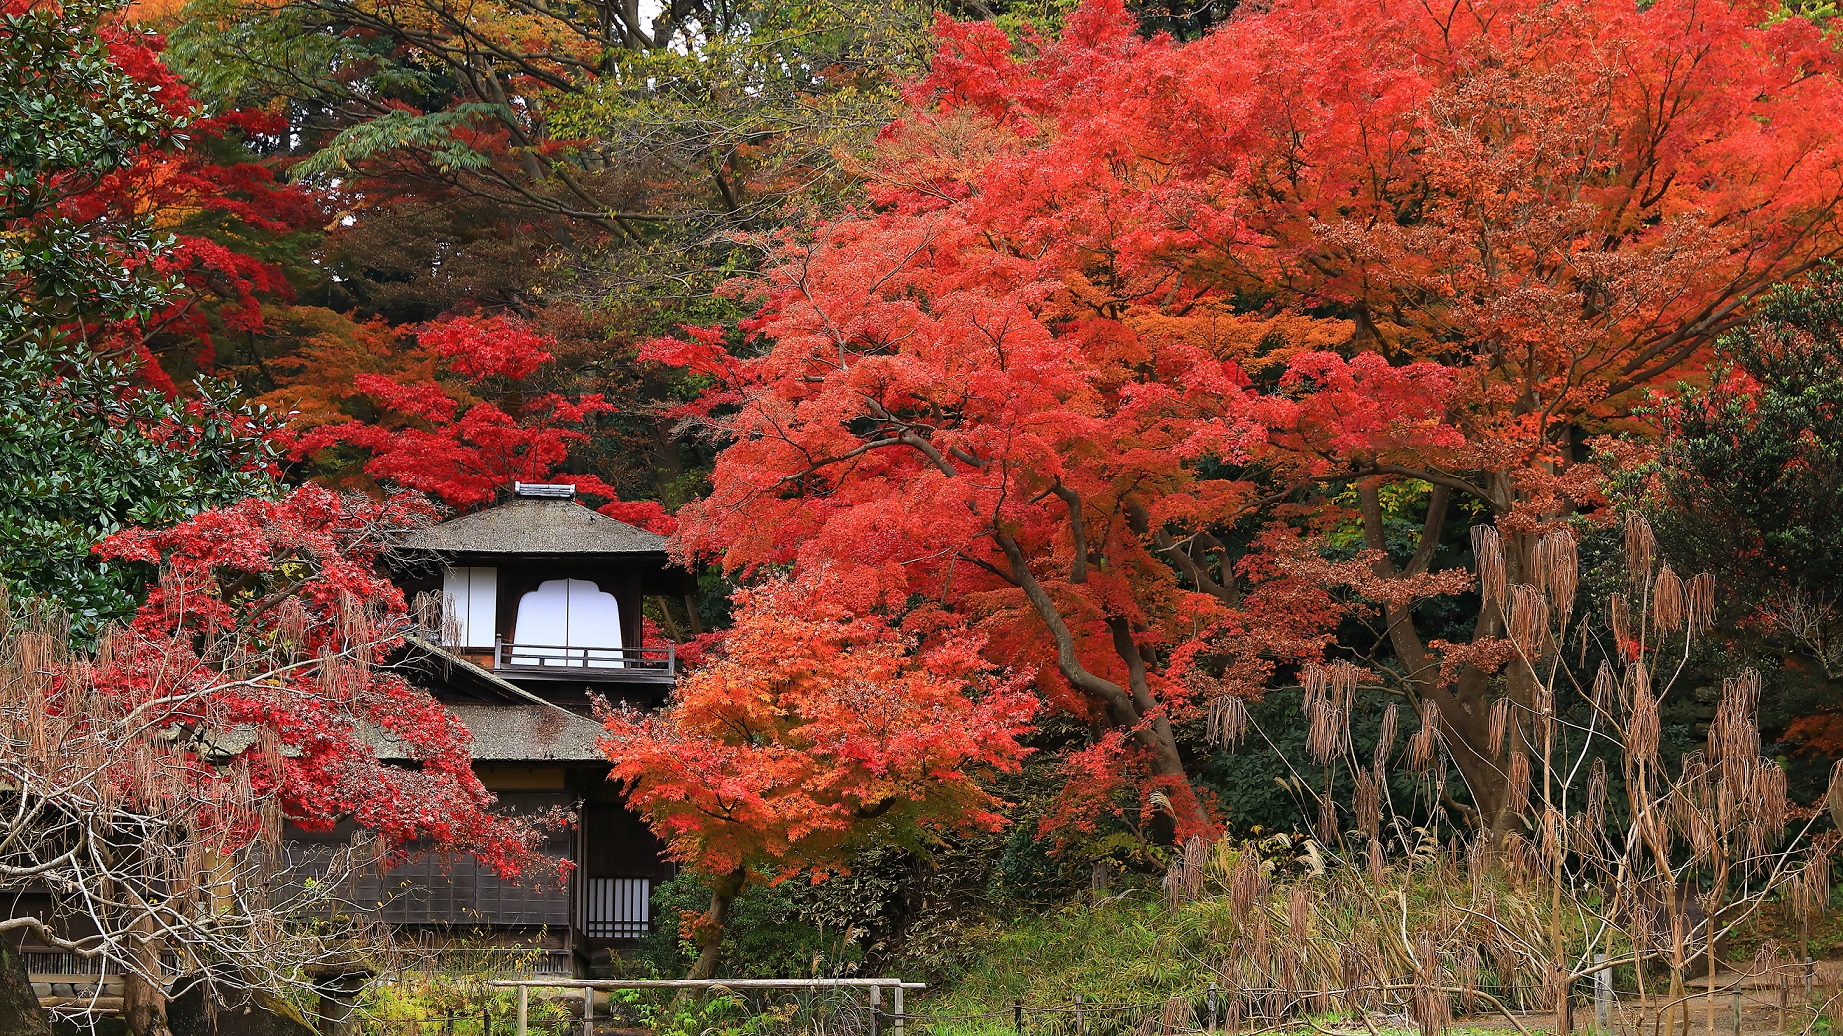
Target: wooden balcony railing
{"points": [[653, 661]]}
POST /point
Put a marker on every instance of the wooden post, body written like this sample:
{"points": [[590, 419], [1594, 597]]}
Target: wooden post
{"points": [[524, 1002], [1804, 936], [1737, 1007], [1081, 1019], [1212, 1009], [1602, 995], [876, 1006], [588, 1011], [1017, 1015], [1564, 1003], [486, 1021], [1785, 994], [896, 992]]}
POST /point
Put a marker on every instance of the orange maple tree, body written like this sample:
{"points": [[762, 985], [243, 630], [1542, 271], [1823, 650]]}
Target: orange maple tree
{"points": [[814, 734], [1133, 322]]}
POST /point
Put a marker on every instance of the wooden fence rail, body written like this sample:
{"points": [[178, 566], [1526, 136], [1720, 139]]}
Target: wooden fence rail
{"points": [[875, 986]]}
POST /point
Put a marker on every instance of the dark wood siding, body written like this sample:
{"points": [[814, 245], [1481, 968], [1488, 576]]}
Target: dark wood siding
{"points": [[433, 890], [461, 892], [618, 844]]}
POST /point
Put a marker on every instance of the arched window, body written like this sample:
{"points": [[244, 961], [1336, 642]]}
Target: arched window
{"points": [[564, 622]]}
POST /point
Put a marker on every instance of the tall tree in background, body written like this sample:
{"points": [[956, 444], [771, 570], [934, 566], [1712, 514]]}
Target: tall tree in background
{"points": [[1136, 321], [1749, 473], [582, 168], [232, 231], [91, 445], [582, 120]]}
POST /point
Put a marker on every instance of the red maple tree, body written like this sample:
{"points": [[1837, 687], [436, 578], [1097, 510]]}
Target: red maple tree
{"points": [[220, 207], [1134, 322], [814, 734], [455, 416], [263, 649]]}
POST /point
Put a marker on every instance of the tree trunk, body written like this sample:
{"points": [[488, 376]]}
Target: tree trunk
{"points": [[143, 1007], [723, 892], [1464, 706], [20, 1014], [1564, 1005], [144, 1002], [1133, 708]]}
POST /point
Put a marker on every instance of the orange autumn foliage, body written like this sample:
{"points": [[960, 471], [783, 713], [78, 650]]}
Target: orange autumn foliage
{"points": [[1130, 315], [815, 734]]}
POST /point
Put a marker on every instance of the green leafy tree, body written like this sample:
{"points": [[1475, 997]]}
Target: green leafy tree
{"points": [[88, 447], [1749, 476], [73, 117], [90, 453]]}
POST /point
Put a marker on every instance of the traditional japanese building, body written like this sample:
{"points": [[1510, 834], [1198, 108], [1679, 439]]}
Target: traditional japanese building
{"points": [[539, 603], [541, 611]]}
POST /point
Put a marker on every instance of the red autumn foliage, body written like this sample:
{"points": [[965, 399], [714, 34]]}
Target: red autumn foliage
{"points": [[216, 212], [265, 646], [1130, 313], [814, 734], [455, 417]]}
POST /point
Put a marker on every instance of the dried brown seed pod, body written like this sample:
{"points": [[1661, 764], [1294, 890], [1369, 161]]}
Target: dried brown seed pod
{"points": [[1366, 803], [1227, 721], [1500, 725], [1699, 603], [1642, 725], [1518, 785], [1423, 746], [1669, 603], [1529, 621]]}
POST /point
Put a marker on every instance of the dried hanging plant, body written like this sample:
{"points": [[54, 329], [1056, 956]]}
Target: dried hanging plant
{"points": [[1327, 819], [1699, 604], [1227, 721], [1619, 615], [1605, 693], [1500, 725], [1327, 735], [1385, 737], [1488, 548], [1423, 747], [1669, 603], [1367, 802], [1529, 621], [1517, 794], [1640, 547], [1558, 573], [1643, 726]]}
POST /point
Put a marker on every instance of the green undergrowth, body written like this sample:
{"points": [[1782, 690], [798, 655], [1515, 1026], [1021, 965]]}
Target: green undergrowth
{"points": [[1133, 947], [1129, 946]]}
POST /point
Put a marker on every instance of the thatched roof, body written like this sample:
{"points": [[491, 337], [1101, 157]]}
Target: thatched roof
{"points": [[533, 525]]}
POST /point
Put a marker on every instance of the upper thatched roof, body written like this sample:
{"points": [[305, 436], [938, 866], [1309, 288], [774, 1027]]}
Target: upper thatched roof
{"points": [[533, 525]]}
